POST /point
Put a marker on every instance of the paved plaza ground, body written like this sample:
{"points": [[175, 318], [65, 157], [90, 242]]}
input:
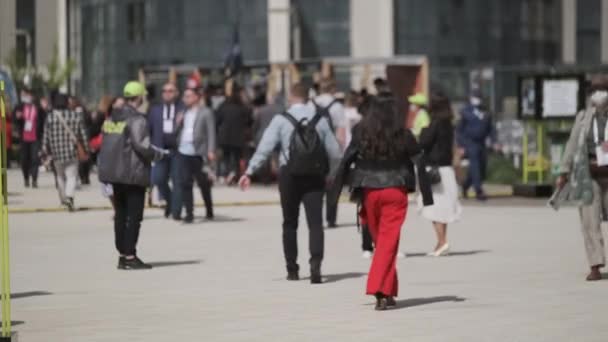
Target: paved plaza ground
{"points": [[516, 274]]}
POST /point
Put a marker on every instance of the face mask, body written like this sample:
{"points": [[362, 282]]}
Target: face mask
{"points": [[26, 99], [475, 101], [598, 98]]}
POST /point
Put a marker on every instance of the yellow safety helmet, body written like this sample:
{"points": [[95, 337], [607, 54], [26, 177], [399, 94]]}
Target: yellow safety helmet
{"points": [[418, 99]]}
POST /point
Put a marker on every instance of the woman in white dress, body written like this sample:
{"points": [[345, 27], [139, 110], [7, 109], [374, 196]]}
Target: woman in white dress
{"points": [[437, 140]]}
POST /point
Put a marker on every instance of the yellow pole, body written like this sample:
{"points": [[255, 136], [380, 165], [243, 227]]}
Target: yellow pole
{"points": [[5, 294], [525, 154], [539, 142]]}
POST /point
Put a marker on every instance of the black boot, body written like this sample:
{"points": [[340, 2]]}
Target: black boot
{"points": [[315, 274], [381, 302]]}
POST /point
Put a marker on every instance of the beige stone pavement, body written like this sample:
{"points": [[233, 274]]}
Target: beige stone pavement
{"points": [[517, 274]]}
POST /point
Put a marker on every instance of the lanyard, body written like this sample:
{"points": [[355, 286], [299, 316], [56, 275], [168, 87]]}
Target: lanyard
{"points": [[596, 136], [29, 112], [169, 114]]}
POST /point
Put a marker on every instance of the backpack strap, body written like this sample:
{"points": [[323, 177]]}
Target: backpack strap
{"points": [[315, 119], [324, 112], [291, 119]]}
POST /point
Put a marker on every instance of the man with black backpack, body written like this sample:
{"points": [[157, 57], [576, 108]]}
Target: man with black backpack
{"points": [[308, 150], [329, 107]]}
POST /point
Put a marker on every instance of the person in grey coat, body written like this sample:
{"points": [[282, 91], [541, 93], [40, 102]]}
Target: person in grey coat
{"points": [[584, 173], [196, 149]]}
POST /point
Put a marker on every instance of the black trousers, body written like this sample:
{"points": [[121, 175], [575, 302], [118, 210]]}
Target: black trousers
{"points": [[232, 159], [129, 201], [189, 170], [84, 171], [296, 190], [331, 212], [366, 239], [30, 160]]}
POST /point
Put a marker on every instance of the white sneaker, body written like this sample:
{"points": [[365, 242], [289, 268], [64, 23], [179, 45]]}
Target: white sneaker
{"points": [[367, 255], [442, 251], [401, 255]]}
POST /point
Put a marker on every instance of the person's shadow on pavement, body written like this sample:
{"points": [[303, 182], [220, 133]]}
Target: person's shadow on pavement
{"points": [[456, 253], [174, 263], [333, 278], [408, 303]]}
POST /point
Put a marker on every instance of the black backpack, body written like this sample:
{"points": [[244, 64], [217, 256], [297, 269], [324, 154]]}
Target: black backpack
{"points": [[307, 154], [324, 112]]}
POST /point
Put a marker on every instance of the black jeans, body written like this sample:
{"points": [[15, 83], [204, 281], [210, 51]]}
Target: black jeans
{"points": [[30, 160], [331, 212], [84, 171], [366, 239], [232, 159], [309, 191], [129, 201], [190, 169]]}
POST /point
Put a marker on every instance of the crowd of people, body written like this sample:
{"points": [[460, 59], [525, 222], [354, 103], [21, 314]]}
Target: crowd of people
{"points": [[314, 145]]}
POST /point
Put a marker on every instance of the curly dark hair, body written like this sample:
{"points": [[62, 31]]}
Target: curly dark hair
{"points": [[382, 130], [440, 107]]}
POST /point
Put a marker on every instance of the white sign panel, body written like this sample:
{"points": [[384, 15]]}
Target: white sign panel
{"points": [[560, 98]]}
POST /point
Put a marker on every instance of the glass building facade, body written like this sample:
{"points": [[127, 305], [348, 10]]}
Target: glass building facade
{"points": [[120, 36], [588, 31], [324, 25], [506, 37]]}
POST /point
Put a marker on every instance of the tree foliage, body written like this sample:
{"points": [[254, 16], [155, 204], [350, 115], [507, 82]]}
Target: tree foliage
{"points": [[42, 80]]}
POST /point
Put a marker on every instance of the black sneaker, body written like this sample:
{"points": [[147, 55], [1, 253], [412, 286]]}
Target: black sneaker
{"points": [[35, 184], [210, 217], [167, 211], [332, 225], [135, 264], [121, 263], [293, 276], [189, 219], [481, 197]]}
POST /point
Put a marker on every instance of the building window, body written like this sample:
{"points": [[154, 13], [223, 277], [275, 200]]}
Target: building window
{"points": [[136, 21]]}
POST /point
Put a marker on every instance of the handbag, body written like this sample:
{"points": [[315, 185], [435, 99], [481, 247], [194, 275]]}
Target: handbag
{"points": [[81, 153], [433, 174]]}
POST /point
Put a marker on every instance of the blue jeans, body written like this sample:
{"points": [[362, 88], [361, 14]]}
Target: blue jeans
{"points": [[477, 168], [163, 171], [190, 170]]}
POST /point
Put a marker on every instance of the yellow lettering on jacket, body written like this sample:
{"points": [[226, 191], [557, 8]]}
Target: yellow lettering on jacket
{"points": [[111, 127]]}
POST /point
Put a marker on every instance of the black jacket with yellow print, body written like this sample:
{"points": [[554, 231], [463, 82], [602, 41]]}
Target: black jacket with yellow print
{"points": [[126, 152]]}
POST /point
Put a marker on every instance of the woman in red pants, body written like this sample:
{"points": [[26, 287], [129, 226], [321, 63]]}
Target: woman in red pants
{"points": [[384, 154]]}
